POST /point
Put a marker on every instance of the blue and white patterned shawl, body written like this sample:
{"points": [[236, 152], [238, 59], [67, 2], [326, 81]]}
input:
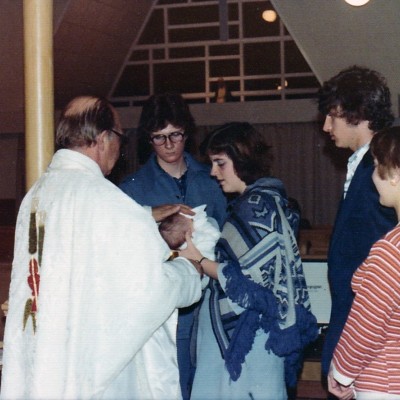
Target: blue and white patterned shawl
{"points": [[264, 276]]}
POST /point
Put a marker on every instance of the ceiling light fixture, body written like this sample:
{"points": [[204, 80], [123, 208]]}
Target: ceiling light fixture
{"points": [[356, 3], [269, 15]]}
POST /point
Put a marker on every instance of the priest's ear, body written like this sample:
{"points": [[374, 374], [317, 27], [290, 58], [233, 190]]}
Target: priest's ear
{"points": [[101, 140]]}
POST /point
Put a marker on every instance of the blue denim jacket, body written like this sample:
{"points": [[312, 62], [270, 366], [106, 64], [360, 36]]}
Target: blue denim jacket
{"points": [[152, 186]]}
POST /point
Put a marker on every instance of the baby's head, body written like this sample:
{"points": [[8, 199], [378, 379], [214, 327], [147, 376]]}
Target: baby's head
{"points": [[173, 229]]}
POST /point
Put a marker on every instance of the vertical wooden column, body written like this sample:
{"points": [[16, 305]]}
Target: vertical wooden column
{"points": [[39, 87]]}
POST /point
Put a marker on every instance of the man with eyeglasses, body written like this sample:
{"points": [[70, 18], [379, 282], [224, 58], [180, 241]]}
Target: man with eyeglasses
{"points": [[79, 309], [172, 177]]}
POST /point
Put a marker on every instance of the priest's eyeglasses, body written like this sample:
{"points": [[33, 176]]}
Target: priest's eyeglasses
{"points": [[122, 138], [174, 137]]}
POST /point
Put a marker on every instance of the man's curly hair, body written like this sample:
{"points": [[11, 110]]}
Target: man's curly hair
{"points": [[357, 94]]}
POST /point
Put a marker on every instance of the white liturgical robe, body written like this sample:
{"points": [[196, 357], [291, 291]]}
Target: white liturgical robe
{"points": [[159, 360], [89, 283]]}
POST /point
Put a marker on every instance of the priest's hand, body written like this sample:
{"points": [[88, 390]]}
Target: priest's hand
{"points": [[161, 212], [4, 308]]}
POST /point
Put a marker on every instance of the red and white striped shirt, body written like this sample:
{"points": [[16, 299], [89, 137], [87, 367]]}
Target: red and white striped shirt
{"points": [[368, 351]]}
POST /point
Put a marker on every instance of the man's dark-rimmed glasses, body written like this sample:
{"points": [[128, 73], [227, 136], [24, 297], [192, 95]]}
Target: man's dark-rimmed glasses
{"points": [[174, 137], [123, 138]]}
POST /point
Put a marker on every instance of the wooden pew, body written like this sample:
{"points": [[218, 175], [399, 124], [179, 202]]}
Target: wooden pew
{"points": [[314, 243]]}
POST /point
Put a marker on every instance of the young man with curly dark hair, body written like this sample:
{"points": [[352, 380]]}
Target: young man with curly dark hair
{"points": [[356, 104]]}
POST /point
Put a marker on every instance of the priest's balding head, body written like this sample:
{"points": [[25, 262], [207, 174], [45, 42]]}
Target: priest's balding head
{"points": [[90, 125]]}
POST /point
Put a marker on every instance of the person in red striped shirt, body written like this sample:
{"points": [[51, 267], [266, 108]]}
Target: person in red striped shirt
{"points": [[366, 361]]}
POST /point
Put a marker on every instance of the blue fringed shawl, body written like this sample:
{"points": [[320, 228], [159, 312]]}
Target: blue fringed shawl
{"points": [[264, 276]]}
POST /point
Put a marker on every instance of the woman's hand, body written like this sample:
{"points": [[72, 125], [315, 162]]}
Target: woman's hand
{"points": [[190, 252], [161, 212]]}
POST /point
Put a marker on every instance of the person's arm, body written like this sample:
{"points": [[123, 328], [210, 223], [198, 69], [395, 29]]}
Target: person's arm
{"points": [[161, 212], [340, 391], [192, 253], [179, 266], [4, 308]]}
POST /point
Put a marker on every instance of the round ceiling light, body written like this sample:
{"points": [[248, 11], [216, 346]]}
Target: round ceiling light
{"points": [[356, 3], [269, 15]]}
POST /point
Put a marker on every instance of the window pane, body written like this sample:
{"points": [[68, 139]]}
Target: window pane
{"points": [[154, 31], [233, 12], [253, 23], [262, 84], [184, 59], [140, 55], [294, 60], [224, 50], [261, 58], [193, 34], [159, 54], [193, 15], [186, 52], [185, 77], [134, 81], [224, 68], [304, 82], [233, 32]]}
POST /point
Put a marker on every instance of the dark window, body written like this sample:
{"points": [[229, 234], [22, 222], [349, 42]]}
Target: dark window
{"points": [[154, 30], [224, 68], [139, 55], [254, 25], [262, 58], [186, 52], [133, 82], [224, 50], [193, 15], [294, 60], [184, 77]]}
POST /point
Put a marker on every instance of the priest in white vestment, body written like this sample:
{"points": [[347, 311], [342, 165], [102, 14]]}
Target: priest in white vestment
{"points": [[89, 286]]}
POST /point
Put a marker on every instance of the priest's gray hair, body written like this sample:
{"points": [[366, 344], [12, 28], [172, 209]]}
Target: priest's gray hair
{"points": [[83, 119]]}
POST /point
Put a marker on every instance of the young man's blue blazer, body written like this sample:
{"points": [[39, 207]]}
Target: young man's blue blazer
{"points": [[360, 221]]}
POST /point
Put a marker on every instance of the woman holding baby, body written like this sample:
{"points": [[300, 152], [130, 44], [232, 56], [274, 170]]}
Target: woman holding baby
{"points": [[255, 318]]}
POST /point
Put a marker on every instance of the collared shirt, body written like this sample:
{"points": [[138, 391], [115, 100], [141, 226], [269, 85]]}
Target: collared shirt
{"points": [[352, 165]]}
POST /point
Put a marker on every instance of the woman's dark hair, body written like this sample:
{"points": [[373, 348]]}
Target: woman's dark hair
{"points": [[385, 148], [357, 94], [245, 146]]}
